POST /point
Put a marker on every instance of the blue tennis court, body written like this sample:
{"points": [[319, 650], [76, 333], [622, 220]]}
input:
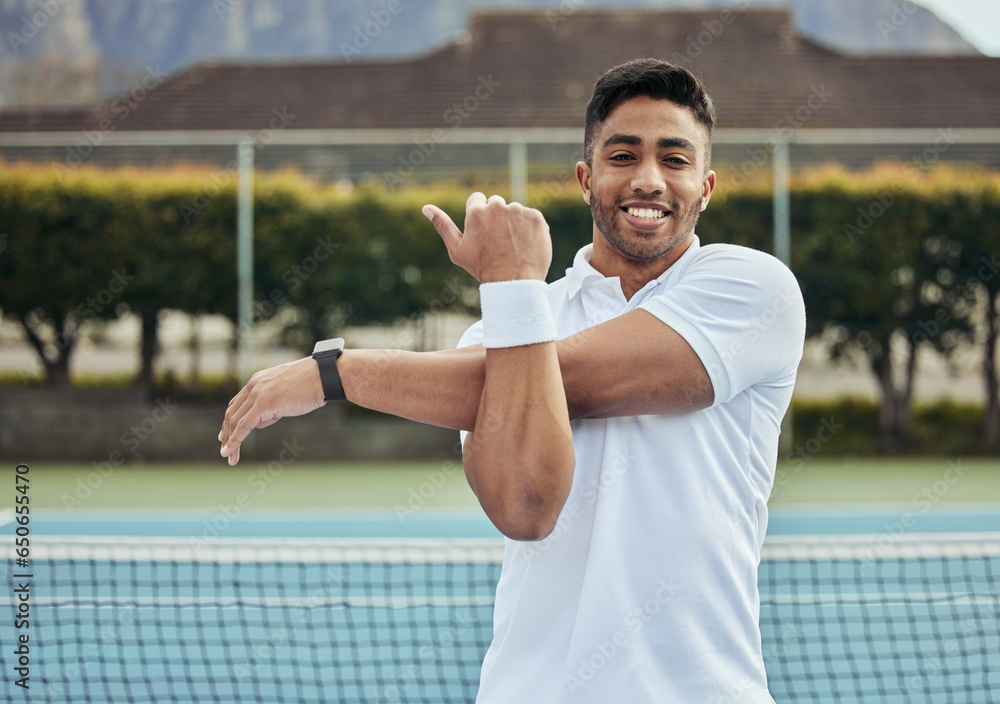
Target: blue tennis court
{"points": [[364, 608]]}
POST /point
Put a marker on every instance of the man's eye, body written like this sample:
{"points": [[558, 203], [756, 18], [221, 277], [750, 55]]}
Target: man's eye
{"points": [[621, 157]]}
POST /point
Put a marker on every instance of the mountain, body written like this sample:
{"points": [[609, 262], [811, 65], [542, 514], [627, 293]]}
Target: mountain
{"points": [[59, 52]]}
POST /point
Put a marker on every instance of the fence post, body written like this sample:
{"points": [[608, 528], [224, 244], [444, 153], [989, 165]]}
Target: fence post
{"points": [[781, 173], [518, 172], [782, 204], [244, 259]]}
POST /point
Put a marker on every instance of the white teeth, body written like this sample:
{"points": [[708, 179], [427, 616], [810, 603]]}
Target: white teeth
{"points": [[646, 213]]}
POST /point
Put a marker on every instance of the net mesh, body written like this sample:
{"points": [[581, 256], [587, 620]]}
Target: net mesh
{"points": [[845, 619], [888, 618]]}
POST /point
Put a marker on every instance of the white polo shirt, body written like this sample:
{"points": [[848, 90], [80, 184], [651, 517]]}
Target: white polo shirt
{"points": [[646, 591]]}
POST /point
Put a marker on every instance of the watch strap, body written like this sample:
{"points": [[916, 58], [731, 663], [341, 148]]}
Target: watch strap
{"points": [[326, 360]]}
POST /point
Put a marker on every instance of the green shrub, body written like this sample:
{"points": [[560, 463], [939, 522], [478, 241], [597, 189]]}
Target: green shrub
{"points": [[850, 426]]}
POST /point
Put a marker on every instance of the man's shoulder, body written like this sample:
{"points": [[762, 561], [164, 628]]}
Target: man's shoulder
{"points": [[725, 250], [737, 259]]}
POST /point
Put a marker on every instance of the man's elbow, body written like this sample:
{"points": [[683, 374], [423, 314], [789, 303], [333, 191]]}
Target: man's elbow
{"points": [[531, 512], [528, 526]]}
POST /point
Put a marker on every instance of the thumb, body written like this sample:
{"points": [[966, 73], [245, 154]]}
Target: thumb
{"points": [[445, 226]]}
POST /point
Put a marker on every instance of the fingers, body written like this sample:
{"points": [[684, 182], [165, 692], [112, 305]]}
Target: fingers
{"points": [[232, 434], [236, 425], [495, 235], [244, 420], [290, 389], [475, 199], [445, 227]]}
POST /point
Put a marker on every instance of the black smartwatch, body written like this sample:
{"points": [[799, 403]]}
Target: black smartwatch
{"points": [[325, 353]]}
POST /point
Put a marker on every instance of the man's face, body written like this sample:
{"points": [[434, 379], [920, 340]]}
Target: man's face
{"points": [[647, 183]]}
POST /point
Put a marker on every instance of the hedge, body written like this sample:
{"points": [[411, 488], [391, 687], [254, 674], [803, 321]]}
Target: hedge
{"points": [[888, 253]]}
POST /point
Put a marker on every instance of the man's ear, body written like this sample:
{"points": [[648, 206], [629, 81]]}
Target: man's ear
{"points": [[583, 174], [707, 188]]}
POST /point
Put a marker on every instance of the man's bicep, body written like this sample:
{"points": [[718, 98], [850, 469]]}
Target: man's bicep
{"points": [[741, 311], [632, 365]]}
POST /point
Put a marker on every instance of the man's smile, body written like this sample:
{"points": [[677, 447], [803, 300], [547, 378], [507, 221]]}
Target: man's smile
{"points": [[645, 216]]}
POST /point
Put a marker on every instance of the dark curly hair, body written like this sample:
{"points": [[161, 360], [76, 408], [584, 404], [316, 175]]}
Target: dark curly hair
{"points": [[653, 78]]}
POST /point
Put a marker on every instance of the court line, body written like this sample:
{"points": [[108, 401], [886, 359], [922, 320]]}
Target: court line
{"points": [[97, 602], [264, 602]]}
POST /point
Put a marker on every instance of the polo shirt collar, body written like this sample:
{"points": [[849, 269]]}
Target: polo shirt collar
{"points": [[582, 273]]}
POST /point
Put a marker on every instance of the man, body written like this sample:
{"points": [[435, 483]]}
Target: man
{"points": [[622, 422]]}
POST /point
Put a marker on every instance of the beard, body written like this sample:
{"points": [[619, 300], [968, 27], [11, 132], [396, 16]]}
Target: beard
{"points": [[639, 244]]}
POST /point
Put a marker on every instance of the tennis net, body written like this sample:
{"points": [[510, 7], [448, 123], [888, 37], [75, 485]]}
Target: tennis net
{"points": [[893, 619], [843, 619]]}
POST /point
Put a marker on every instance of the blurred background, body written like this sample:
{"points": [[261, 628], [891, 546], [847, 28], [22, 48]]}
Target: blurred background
{"points": [[191, 191]]}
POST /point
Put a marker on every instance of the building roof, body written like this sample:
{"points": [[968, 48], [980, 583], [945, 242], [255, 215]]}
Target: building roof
{"points": [[537, 69]]}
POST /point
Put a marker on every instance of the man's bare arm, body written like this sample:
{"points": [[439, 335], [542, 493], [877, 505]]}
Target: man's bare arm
{"points": [[519, 456], [516, 401], [438, 388], [630, 365]]}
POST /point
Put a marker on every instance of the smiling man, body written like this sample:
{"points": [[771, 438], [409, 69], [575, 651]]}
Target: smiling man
{"points": [[620, 424]]}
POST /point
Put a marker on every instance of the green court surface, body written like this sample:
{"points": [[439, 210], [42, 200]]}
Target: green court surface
{"points": [[441, 485]]}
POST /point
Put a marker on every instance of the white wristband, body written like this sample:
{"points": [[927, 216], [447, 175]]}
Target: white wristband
{"points": [[516, 313]]}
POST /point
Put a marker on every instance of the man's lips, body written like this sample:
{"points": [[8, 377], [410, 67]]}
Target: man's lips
{"points": [[645, 216]]}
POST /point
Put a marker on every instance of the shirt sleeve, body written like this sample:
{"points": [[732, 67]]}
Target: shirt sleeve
{"points": [[741, 311], [472, 336]]}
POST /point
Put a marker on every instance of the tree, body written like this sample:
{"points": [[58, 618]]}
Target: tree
{"points": [[871, 280], [184, 251], [364, 261], [970, 216], [63, 265]]}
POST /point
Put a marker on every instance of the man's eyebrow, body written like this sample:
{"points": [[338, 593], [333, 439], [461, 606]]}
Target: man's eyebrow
{"points": [[629, 139], [667, 143], [635, 141]]}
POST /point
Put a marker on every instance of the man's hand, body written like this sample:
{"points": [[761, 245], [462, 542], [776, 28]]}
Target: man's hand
{"points": [[291, 389], [502, 241]]}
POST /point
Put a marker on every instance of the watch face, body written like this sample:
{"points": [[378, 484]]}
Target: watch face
{"points": [[334, 345]]}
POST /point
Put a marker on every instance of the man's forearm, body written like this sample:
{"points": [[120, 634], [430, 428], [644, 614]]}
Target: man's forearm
{"points": [[519, 459], [438, 388], [630, 365]]}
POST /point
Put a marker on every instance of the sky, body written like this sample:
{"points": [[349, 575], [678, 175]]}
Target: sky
{"points": [[978, 21]]}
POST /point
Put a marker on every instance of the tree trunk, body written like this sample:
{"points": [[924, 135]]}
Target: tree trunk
{"points": [[56, 369], [887, 420], [894, 412], [904, 399], [233, 373], [148, 347], [195, 348], [991, 438]]}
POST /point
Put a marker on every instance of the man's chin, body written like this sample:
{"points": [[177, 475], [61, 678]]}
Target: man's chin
{"points": [[645, 246]]}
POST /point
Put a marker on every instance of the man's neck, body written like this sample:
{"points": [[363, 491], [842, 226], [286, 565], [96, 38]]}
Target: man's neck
{"points": [[633, 274]]}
